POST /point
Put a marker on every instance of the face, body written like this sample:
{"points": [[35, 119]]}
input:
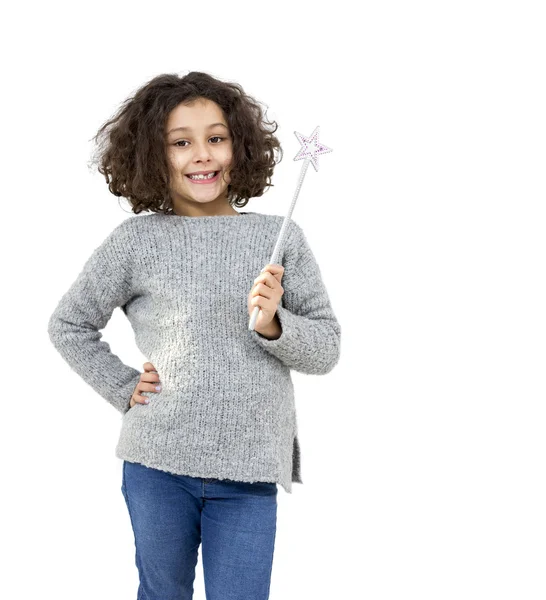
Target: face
{"points": [[198, 140]]}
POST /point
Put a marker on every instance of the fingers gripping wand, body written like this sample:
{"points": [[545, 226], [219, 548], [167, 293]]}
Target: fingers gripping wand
{"points": [[309, 151]]}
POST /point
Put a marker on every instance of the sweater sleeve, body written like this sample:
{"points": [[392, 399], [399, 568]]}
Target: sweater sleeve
{"points": [[310, 338], [85, 309]]}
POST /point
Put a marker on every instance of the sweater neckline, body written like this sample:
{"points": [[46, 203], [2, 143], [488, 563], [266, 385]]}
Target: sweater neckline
{"points": [[205, 217]]}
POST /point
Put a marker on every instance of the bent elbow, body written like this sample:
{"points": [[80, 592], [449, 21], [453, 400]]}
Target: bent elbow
{"points": [[328, 358], [334, 355]]}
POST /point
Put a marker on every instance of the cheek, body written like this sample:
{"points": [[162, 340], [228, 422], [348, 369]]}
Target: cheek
{"points": [[175, 164], [226, 159], [226, 176], [226, 162]]}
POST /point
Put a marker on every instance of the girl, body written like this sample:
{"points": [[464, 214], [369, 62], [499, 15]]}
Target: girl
{"points": [[209, 428]]}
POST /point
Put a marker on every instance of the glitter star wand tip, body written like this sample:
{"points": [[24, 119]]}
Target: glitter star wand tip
{"points": [[311, 147]]}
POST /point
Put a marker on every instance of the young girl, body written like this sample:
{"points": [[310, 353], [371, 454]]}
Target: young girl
{"points": [[209, 428]]}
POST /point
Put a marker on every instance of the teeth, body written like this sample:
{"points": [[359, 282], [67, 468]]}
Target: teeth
{"points": [[209, 176]]}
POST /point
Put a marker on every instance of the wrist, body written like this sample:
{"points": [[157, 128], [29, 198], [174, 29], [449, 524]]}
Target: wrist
{"points": [[273, 330]]}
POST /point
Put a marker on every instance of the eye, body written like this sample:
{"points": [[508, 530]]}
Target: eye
{"points": [[214, 137]]}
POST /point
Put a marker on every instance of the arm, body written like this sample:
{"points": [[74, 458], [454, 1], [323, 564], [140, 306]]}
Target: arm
{"points": [[73, 328], [309, 337]]}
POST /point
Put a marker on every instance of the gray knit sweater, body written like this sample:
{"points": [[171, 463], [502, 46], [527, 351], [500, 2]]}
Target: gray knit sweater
{"points": [[226, 409]]}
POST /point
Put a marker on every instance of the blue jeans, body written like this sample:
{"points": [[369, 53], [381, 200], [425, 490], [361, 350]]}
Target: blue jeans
{"points": [[172, 514]]}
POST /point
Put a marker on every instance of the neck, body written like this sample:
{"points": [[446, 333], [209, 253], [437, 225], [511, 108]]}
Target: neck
{"points": [[210, 209]]}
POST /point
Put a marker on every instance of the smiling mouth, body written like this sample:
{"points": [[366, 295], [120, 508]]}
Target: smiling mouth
{"points": [[208, 177]]}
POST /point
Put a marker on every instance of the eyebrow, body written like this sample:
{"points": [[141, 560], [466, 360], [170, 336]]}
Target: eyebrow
{"points": [[189, 128]]}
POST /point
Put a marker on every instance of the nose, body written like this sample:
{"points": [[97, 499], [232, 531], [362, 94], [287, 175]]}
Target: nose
{"points": [[201, 151]]}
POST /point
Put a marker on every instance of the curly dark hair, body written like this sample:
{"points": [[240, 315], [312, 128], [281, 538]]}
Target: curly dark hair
{"points": [[131, 149]]}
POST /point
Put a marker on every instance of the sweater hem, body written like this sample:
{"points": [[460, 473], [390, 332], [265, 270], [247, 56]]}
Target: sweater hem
{"points": [[233, 475]]}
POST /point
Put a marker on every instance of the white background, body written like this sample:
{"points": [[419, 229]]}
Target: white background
{"points": [[423, 451]]}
